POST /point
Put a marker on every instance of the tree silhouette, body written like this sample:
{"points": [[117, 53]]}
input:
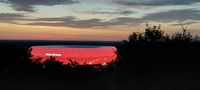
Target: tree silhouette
{"points": [[183, 37], [151, 34], [52, 64], [154, 33]]}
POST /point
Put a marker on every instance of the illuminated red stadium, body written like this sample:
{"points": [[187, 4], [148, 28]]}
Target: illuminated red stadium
{"points": [[83, 55]]}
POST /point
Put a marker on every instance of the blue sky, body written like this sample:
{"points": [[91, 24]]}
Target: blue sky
{"points": [[93, 19]]}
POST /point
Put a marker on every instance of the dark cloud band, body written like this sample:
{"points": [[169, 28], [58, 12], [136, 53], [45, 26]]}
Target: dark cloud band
{"points": [[10, 17], [28, 5], [154, 2], [178, 16], [119, 12], [162, 17]]}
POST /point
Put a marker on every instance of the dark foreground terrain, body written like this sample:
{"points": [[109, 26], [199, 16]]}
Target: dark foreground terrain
{"points": [[141, 66]]}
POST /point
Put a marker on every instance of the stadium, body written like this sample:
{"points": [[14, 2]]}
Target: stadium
{"points": [[81, 54]]}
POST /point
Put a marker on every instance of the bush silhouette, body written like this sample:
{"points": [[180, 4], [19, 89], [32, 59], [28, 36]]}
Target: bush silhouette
{"points": [[154, 50], [151, 34], [178, 37], [154, 33]]}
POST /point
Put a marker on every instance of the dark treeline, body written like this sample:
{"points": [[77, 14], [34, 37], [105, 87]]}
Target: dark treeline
{"points": [[155, 51], [147, 60], [160, 61]]}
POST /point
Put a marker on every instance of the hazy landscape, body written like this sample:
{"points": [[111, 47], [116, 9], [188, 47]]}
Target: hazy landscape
{"points": [[144, 62]]}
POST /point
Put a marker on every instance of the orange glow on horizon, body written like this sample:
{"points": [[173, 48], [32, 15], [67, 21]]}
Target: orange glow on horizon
{"points": [[11, 31], [117, 33]]}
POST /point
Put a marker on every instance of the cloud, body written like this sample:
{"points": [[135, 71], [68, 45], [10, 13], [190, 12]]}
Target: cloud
{"points": [[118, 12], [127, 21], [184, 23], [10, 17], [74, 22], [154, 2], [179, 16], [174, 16], [28, 5], [69, 22]]}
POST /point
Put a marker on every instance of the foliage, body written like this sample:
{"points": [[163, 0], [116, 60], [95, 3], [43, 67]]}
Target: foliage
{"points": [[155, 34], [155, 51]]}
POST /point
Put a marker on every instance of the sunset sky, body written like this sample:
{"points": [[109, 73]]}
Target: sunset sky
{"points": [[104, 20]]}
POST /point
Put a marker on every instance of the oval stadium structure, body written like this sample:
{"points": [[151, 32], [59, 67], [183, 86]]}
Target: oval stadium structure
{"points": [[81, 54]]}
